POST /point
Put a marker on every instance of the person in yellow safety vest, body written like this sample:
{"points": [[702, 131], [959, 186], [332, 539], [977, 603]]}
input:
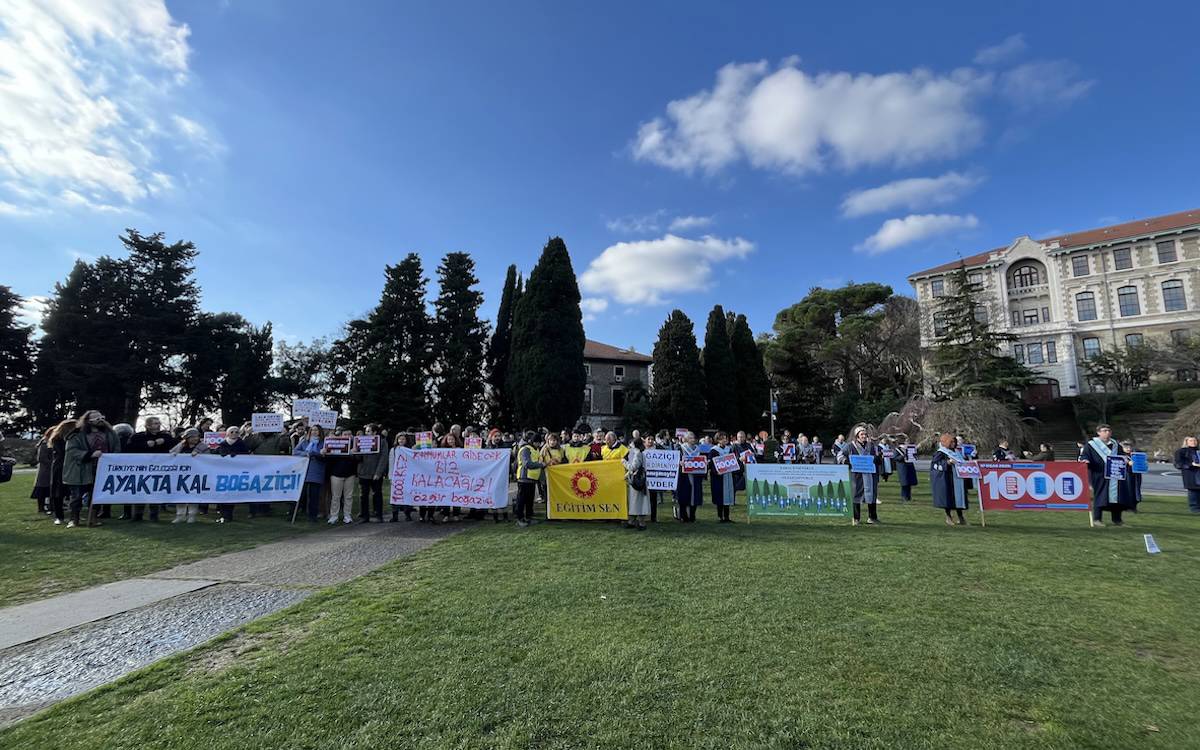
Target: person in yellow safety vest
{"points": [[613, 450], [577, 450], [529, 472]]}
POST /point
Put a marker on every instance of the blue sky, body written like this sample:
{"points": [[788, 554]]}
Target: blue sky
{"points": [[688, 154]]}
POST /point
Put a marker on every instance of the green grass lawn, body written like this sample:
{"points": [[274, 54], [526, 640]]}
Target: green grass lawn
{"points": [[1036, 632], [41, 559]]}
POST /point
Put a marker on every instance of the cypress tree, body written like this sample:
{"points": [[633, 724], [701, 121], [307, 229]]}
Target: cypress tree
{"points": [[720, 385], [460, 338], [545, 373], [678, 379], [499, 350], [16, 353], [750, 374]]}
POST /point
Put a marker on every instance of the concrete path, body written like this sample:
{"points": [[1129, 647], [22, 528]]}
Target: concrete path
{"points": [[65, 645]]}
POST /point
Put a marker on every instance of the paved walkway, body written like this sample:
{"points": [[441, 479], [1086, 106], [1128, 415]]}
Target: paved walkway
{"points": [[65, 645]]}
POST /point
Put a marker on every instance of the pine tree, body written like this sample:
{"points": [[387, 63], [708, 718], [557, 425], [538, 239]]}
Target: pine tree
{"points": [[499, 350], [459, 340], [16, 352], [750, 374], [545, 373], [678, 378], [967, 357], [720, 384]]}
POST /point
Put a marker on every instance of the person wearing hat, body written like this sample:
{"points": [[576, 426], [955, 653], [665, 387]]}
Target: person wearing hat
{"points": [[866, 486]]}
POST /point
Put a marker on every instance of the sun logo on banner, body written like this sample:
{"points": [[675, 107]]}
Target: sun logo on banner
{"points": [[584, 483]]}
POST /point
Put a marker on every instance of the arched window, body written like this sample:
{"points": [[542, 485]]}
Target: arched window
{"points": [[1026, 276], [1127, 301], [1085, 306], [1173, 298]]}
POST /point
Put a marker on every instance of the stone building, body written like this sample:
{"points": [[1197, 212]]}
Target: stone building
{"points": [[1072, 296], [609, 371]]}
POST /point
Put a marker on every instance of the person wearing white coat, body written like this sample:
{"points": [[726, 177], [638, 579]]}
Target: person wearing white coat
{"points": [[639, 499]]}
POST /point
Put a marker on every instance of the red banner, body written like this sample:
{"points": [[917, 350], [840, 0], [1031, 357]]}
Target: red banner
{"points": [[1022, 485]]}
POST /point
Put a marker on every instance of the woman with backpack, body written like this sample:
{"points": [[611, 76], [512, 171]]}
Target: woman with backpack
{"points": [[635, 476]]}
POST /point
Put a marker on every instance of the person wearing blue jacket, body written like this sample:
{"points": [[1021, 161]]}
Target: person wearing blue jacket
{"points": [[315, 477]]}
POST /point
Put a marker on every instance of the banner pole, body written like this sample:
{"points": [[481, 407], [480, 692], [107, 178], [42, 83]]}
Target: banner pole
{"points": [[296, 507], [982, 517]]}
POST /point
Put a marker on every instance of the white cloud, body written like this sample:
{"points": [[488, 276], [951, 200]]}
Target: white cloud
{"points": [[913, 228], [592, 306], [1044, 83], [637, 224], [81, 87], [685, 223], [1002, 52], [198, 135], [797, 122], [647, 271], [30, 311], [913, 194]]}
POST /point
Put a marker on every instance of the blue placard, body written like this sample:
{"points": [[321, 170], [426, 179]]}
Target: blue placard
{"points": [[968, 451], [862, 464], [1139, 463]]}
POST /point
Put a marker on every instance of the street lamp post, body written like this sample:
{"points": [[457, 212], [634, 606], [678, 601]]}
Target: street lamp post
{"points": [[772, 409]]}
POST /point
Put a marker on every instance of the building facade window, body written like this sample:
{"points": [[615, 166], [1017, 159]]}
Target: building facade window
{"points": [[1026, 276], [587, 399], [1016, 318], [618, 400], [1134, 339], [1045, 315], [587, 369], [1166, 251], [1179, 336], [1091, 348], [1034, 353], [937, 288], [1080, 265], [939, 324], [1051, 352], [1122, 258], [975, 277], [1127, 301], [1030, 317], [1019, 353], [1085, 306], [1173, 299], [618, 373], [981, 314]]}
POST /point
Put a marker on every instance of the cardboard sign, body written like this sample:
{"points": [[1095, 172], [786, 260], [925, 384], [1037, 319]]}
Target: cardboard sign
{"points": [[474, 442], [726, 464], [789, 451], [680, 433], [887, 453], [1139, 462], [695, 465], [338, 445], [748, 457], [967, 470], [911, 452], [424, 440], [305, 407], [366, 443], [662, 470], [1115, 468], [862, 464], [822, 490], [326, 418], [818, 450], [1051, 485], [213, 439], [968, 451], [266, 423]]}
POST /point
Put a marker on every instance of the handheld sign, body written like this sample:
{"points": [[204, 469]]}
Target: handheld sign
{"points": [[266, 423], [473, 442], [888, 453], [326, 418], [338, 445], [968, 451], [424, 440], [662, 469], [213, 439], [304, 407], [862, 464], [725, 464], [911, 452], [818, 450], [695, 465], [366, 443], [748, 457], [1139, 462], [1114, 468], [680, 433], [789, 451], [967, 470]]}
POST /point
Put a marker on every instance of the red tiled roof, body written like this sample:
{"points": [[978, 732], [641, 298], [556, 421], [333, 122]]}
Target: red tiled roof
{"points": [[596, 350], [1087, 237]]}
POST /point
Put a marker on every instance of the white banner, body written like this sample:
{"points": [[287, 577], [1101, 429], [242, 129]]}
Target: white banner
{"points": [[304, 407], [326, 418], [158, 478], [662, 470], [461, 477], [266, 423]]}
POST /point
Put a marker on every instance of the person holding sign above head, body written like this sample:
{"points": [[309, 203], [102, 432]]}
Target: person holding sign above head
{"points": [[315, 477], [949, 490], [1108, 472], [191, 444], [689, 494], [1187, 460], [861, 452], [635, 477], [723, 493]]}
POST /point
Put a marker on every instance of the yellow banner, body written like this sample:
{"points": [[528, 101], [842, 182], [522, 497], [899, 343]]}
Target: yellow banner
{"points": [[595, 489]]}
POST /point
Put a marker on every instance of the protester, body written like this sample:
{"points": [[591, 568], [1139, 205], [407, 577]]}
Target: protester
{"points": [[635, 475], [613, 449], [43, 459], [1045, 453], [191, 444], [342, 468], [949, 491], [150, 440], [529, 472], [266, 444], [1187, 460], [723, 493], [866, 486], [371, 467], [403, 440], [58, 454], [578, 449], [689, 492], [314, 478], [1135, 479], [92, 438], [907, 471], [596, 448], [1113, 495], [1002, 453]]}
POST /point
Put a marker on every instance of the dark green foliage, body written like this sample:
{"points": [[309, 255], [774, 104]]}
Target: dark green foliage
{"points": [[750, 374], [678, 377], [226, 369], [720, 385], [968, 357], [545, 374], [459, 341], [16, 353], [498, 354], [639, 408]]}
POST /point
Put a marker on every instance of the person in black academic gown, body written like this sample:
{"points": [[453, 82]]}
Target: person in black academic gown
{"points": [[866, 486], [907, 471], [1187, 460], [1115, 496], [949, 491]]}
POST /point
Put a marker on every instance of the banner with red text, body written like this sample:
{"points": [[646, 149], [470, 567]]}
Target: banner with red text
{"points": [[1024, 485]]}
